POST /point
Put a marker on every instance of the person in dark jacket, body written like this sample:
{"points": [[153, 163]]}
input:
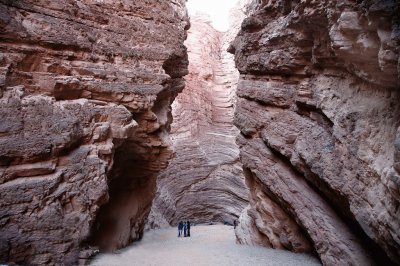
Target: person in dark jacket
{"points": [[180, 227], [188, 228], [184, 229]]}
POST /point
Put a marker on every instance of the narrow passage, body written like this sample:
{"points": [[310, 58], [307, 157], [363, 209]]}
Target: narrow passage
{"points": [[208, 245]]}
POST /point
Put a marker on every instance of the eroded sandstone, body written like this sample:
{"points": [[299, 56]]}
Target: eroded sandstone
{"points": [[204, 181], [318, 110], [86, 88]]}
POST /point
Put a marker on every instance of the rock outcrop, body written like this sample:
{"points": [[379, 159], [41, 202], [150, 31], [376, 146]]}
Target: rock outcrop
{"points": [[319, 114], [86, 88], [204, 182]]}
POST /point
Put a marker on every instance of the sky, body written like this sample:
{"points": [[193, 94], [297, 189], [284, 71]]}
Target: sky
{"points": [[217, 9]]}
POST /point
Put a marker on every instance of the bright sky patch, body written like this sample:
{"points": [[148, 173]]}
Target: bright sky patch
{"points": [[217, 9]]}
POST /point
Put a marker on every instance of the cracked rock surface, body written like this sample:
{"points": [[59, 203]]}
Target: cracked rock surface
{"points": [[86, 88], [319, 114]]}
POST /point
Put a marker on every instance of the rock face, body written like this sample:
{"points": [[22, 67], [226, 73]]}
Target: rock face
{"points": [[204, 182], [86, 88], [319, 114]]}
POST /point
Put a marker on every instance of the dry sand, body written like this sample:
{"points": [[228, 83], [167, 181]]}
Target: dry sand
{"points": [[208, 245]]}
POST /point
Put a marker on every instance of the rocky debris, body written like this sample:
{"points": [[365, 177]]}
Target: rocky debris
{"points": [[204, 181], [318, 110], [86, 88]]}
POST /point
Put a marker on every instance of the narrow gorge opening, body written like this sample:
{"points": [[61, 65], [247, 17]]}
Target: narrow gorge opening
{"points": [[204, 182], [120, 119]]}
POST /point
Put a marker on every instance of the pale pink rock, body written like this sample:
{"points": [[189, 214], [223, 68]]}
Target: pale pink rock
{"points": [[204, 181]]}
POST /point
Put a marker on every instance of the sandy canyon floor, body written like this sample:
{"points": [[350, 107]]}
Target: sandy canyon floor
{"points": [[208, 245]]}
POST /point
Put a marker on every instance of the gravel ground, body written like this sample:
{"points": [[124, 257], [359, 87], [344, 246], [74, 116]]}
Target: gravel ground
{"points": [[208, 245]]}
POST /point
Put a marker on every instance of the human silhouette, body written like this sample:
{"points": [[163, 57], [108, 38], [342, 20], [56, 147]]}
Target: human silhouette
{"points": [[184, 229], [188, 228], [180, 227]]}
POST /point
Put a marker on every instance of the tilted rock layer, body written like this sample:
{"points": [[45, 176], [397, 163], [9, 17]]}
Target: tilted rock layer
{"points": [[204, 182], [86, 88], [319, 114]]}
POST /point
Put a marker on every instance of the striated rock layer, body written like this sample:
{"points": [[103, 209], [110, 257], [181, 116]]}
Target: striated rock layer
{"points": [[204, 182], [86, 88], [319, 114]]}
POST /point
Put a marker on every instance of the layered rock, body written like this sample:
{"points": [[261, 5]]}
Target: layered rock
{"points": [[86, 88], [318, 110], [204, 181]]}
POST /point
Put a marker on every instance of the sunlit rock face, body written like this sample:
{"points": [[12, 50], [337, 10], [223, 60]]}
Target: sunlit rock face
{"points": [[319, 113], [86, 88], [204, 182]]}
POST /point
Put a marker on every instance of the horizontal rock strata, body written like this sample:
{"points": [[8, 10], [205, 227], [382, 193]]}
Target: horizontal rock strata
{"points": [[86, 88], [204, 181], [319, 114]]}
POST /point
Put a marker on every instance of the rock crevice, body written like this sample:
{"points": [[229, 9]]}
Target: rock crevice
{"points": [[204, 181]]}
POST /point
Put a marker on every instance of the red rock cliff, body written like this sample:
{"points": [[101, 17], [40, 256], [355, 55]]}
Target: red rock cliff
{"points": [[86, 88], [318, 111]]}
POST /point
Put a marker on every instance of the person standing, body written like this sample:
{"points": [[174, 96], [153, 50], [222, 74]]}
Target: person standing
{"points": [[180, 227], [234, 224], [188, 228], [184, 229]]}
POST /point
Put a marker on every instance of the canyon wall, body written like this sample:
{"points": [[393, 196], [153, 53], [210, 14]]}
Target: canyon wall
{"points": [[319, 114], [86, 88], [204, 181]]}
